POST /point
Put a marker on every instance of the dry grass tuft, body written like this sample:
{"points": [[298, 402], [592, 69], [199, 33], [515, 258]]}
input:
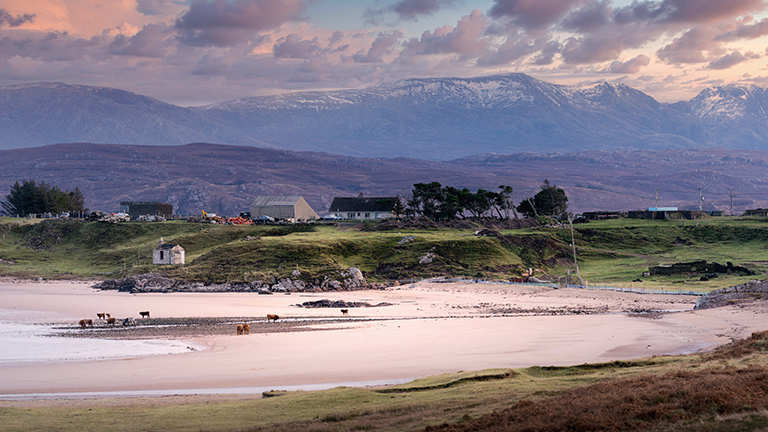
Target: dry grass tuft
{"points": [[756, 343], [632, 404]]}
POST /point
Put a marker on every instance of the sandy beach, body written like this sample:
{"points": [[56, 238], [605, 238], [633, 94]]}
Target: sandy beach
{"points": [[429, 328]]}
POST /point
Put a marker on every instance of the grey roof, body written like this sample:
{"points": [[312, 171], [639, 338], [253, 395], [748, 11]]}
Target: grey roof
{"points": [[362, 204], [166, 246], [284, 200]]}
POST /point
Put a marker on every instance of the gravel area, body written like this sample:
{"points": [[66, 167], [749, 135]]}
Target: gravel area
{"points": [[164, 328]]}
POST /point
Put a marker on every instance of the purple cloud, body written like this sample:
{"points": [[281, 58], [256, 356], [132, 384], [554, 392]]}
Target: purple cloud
{"points": [[154, 40], [532, 14], [383, 45], [751, 31], [631, 66], [231, 22], [406, 9], [7, 19], [731, 59], [293, 46]]}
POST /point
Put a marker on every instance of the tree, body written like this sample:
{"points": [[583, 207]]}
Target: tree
{"points": [[549, 201], [31, 198], [398, 209]]}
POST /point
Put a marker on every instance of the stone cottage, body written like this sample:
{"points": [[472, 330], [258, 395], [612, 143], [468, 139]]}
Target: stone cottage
{"points": [[166, 253]]}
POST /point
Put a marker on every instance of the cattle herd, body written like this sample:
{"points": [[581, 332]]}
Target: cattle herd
{"points": [[242, 329]]}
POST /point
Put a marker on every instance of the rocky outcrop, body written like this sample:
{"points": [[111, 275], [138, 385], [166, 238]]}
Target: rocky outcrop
{"points": [[325, 303], [343, 280], [744, 293]]}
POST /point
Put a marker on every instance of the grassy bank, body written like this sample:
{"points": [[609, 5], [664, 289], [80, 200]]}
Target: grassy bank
{"points": [[613, 252], [725, 390]]}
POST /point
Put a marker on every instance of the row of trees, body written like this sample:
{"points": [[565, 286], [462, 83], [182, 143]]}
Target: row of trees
{"points": [[32, 198], [438, 202]]}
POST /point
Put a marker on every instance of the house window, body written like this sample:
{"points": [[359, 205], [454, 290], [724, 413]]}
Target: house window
{"points": [[350, 215], [367, 215], [161, 255]]}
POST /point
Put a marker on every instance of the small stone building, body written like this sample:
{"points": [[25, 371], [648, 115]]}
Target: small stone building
{"points": [[141, 208], [166, 253], [290, 208], [363, 208]]}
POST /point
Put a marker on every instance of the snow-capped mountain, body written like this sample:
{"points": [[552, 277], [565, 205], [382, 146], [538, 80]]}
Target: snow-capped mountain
{"points": [[437, 118], [734, 116]]}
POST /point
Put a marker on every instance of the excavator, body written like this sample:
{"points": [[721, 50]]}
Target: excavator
{"points": [[211, 217]]}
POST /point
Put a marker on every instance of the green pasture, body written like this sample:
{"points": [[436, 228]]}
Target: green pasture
{"points": [[614, 252]]}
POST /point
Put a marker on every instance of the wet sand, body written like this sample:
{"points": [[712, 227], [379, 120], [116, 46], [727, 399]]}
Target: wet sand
{"points": [[430, 328]]}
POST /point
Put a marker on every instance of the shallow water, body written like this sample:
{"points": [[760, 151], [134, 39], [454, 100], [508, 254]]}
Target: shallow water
{"points": [[204, 391], [22, 342]]}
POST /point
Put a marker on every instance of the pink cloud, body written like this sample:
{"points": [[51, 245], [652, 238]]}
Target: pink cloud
{"points": [[227, 23], [464, 39]]}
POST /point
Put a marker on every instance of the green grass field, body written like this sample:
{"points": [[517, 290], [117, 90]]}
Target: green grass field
{"points": [[615, 252]]}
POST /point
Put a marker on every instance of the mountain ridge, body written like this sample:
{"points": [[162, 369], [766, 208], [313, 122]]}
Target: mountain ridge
{"points": [[429, 118], [224, 179]]}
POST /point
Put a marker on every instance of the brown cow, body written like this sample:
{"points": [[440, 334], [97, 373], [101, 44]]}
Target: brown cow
{"points": [[144, 314], [89, 322], [272, 317], [82, 323], [101, 315], [239, 329], [111, 321], [246, 328], [345, 311]]}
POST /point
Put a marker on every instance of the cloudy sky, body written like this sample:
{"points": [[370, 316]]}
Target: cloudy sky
{"points": [[191, 52]]}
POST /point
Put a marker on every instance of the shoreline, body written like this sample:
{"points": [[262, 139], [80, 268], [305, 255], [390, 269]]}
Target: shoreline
{"points": [[427, 329]]}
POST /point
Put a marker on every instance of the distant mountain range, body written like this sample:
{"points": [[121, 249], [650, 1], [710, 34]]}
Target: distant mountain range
{"points": [[224, 179], [436, 119]]}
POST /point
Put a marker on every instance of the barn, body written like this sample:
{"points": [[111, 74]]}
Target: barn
{"points": [[290, 208], [151, 208], [166, 253]]}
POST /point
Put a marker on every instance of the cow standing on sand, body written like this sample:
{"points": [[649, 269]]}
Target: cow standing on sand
{"points": [[101, 315], [345, 312], [246, 328], [111, 321], [129, 322], [239, 329], [272, 317], [144, 314]]}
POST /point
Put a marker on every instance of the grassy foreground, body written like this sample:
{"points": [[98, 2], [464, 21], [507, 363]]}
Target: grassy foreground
{"points": [[612, 252], [723, 391]]}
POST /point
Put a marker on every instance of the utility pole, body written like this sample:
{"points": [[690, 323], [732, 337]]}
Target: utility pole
{"points": [[731, 202], [701, 200]]}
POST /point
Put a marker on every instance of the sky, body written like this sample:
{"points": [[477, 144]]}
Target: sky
{"points": [[193, 52]]}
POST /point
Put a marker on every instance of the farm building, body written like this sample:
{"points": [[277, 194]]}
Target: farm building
{"points": [[291, 208], [140, 208], [166, 253], [363, 208]]}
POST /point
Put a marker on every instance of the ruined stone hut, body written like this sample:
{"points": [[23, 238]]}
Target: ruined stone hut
{"points": [[167, 253]]}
